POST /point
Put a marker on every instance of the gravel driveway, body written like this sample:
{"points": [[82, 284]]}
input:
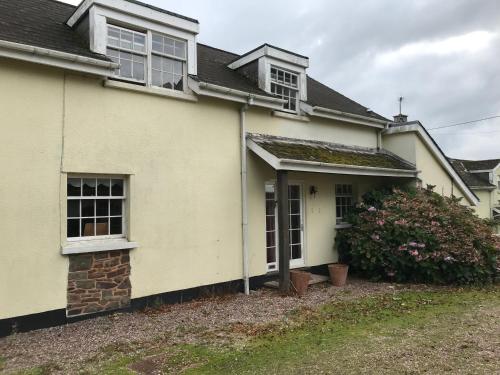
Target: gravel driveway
{"points": [[65, 346]]}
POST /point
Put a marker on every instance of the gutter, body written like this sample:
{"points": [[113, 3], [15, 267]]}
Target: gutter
{"points": [[410, 173], [57, 59], [221, 92], [343, 116]]}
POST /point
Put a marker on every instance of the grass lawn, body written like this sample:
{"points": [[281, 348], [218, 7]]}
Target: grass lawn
{"points": [[442, 331]]}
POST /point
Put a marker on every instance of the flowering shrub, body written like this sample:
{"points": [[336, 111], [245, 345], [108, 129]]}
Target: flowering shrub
{"points": [[419, 236]]}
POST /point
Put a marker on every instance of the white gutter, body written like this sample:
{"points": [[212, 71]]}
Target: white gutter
{"points": [[333, 114], [384, 171], [244, 198], [221, 92], [57, 59]]}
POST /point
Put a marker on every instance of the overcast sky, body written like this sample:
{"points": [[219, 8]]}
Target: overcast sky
{"points": [[442, 56]]}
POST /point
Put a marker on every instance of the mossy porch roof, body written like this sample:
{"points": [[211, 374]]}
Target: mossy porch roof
{"points": [[331, 153]]}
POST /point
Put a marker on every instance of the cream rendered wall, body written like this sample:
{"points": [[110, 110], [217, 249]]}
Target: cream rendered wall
{"points": [[410, 147], [33, 274], [483, 209], [183, 164], [184, 161], [259, 121]]}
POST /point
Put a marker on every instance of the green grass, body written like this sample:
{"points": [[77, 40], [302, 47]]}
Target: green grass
{"points": [[407, 332]]}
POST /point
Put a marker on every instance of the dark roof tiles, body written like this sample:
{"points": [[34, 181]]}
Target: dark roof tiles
{"points": [[471, 179]]}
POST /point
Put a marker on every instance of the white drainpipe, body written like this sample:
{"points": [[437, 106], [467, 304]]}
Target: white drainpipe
{"points": [[244, 198]]}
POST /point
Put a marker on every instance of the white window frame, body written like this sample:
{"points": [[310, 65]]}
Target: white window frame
{"points": [[283, 85], [340, 220], [148, 54], [294, 263], [80, 198]]}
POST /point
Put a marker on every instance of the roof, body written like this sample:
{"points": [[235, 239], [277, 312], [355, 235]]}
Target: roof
{"points": [[162, 10], [481, 165], [471, 179], [42, 23], [329, 153]]}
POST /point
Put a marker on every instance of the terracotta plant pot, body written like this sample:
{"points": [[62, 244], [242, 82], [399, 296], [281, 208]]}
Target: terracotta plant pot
{"points": [[338, 273], [300, 281]]}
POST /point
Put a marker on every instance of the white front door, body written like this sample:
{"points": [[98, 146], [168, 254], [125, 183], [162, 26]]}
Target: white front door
{"points": [[295, 229]]}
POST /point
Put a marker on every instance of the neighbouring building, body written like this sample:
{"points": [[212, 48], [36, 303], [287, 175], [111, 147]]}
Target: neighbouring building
{"points": [[139, 164], [483, 177]]}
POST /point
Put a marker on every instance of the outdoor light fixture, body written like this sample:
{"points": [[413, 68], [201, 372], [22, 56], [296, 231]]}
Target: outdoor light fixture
{"points": [[313, 190]]}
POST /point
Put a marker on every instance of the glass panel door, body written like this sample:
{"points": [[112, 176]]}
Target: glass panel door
{"points": [[295, 229]]}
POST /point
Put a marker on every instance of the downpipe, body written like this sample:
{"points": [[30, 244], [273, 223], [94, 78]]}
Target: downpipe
{"points": [[244, 199]]}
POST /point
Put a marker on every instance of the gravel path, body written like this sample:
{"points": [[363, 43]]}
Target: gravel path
{"points": [[66, 346]]}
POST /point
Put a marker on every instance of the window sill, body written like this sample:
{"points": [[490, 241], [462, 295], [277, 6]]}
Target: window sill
{"points": [[93, 246], [150, 90], [291, 116], [342, 226]]}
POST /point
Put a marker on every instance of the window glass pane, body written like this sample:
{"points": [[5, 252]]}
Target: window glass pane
{"points": [[113, 36], [157, 43], [294, 192], [295, 236], [296, 251], [88, 227], [126, 39], [295, 221], [270, 239], [270, 223], [138, 71], [125, 68], [117, 187], [101, 208], [156, 78], [177, 67], [115, 225], [168, 80], [73, 229], [74, 208], [271, 255], [156, 62], [102, 227], [74, 187], [168, 46], [89, 187], [294, 207], [139, 42], [180, 49], [103, 189], [115, 207], [167, 65], [178, 83], [87, 207]]}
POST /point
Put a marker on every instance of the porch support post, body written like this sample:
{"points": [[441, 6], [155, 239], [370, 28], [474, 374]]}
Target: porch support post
{"points": [[283, 237]]}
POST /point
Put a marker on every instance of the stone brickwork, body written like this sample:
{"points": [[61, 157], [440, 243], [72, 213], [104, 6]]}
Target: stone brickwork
{"points": [[98, 282]]}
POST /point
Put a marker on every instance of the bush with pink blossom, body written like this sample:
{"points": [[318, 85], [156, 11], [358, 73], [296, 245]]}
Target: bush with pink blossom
{"points": [[419, 236]]}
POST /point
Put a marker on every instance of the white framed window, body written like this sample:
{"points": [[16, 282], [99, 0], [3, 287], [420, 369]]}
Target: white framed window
{"points": [[168, 62], [95, 207], [127, 48], [149, 58], [344, 202], [285, 85]]}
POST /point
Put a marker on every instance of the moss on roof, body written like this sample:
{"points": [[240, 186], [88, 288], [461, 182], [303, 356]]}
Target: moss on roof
{"points": [[324, 154]]}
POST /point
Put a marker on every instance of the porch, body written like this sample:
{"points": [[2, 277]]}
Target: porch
{"points": [[309, 187]]}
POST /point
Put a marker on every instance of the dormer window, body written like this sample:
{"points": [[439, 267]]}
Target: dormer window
{"points": [[128, 48], [284, 84], [168, 62], [131, 50]]}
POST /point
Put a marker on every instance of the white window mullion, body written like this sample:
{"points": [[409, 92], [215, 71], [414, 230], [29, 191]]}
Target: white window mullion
{"points": [[149, 49]]}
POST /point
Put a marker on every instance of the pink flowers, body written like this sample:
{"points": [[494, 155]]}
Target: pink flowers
{"points": [[375, 237], [413, 253], [372, 209], [380, 222], [413, 244], [421, 245], [403, 247], [402, 222]]}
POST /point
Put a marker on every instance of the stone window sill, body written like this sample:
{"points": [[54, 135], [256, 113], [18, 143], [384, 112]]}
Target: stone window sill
{"points": [[93, 246], [158, 91], [290, 116]]}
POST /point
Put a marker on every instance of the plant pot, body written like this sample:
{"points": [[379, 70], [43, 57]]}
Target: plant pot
{"points": [[300, 281], [338, 273]]}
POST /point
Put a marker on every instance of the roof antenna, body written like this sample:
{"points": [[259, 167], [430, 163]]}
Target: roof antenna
{"points": [[400, 118]]}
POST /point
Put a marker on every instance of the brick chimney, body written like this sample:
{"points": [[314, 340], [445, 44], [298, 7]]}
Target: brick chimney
{"points": [[400, 118]]}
